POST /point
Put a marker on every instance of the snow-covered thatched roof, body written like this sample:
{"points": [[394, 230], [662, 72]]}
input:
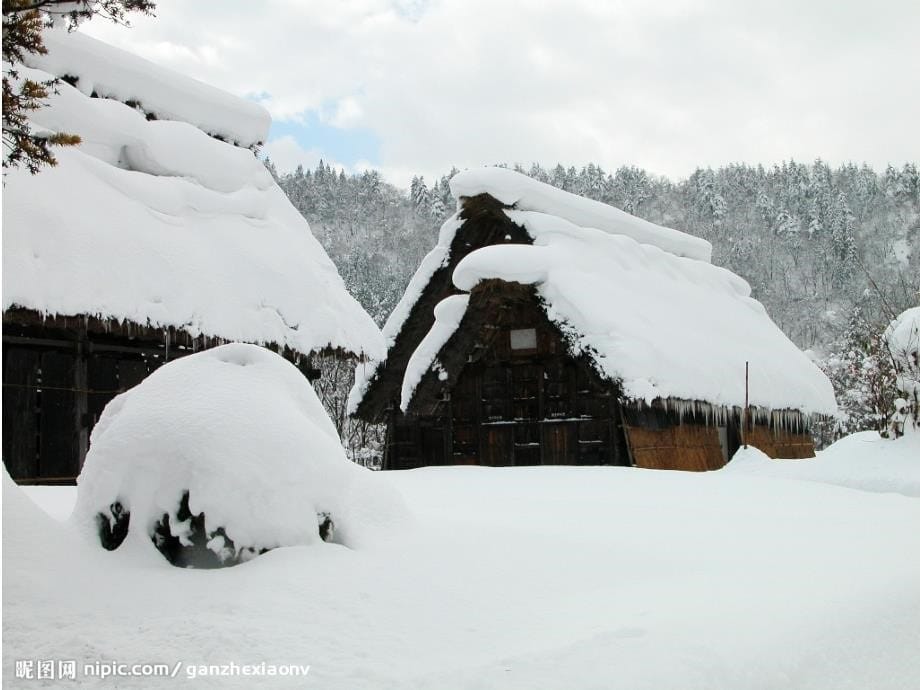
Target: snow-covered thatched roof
{"points": [[642, 301], [153, 221], [526, 194], [108, 72]]}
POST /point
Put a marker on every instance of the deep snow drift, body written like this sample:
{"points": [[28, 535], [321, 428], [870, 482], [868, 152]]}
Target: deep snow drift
{"points": [[542, 577], [863, 460], [156, 222], [242, 431]]}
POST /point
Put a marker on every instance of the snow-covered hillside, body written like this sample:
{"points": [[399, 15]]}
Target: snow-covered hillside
{"points": [[156, 219], [542, 577]]}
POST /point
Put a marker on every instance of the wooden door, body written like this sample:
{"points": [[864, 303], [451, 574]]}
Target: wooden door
{"points": [[59, 451], [497, 445], [559, 445], [20, 411]]}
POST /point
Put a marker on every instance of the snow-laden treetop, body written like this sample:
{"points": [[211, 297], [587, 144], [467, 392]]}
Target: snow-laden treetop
{"points": [[903, 339], [526, 194], [158, 223], [113, 73]]}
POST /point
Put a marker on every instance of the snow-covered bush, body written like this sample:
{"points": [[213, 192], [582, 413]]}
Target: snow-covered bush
{"points": [[903, 340], [860, 368], [220, 456]]}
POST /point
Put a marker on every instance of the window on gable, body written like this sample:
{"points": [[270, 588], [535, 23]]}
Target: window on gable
{"points": [[524, 339]]}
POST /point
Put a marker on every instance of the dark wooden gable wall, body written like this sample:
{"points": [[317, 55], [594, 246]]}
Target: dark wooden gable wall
{"points": [[508, 399], [485, 223]]}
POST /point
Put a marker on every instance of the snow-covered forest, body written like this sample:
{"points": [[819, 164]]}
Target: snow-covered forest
{"points": [[832, 253]]}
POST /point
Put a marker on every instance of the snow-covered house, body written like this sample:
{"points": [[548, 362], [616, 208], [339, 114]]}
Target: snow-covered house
{"points": [[545, 328], [160, 234]]}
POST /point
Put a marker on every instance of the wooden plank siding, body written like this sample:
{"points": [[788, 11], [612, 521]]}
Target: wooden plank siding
{"points": [[52, 398], [57, 379], [59, 451], [20, 411], [507, 405]]}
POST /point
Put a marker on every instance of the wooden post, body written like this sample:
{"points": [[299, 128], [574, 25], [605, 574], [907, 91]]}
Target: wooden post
{"points": [[81, 400], [744, 412]]}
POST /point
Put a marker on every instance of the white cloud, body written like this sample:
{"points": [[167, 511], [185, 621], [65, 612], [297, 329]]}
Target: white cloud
{"points": [[347, 114], [666, 86]]}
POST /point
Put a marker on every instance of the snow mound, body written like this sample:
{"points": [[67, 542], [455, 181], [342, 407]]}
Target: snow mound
{"points": [[158, 223], [665, 326], [526, 194], [864, 461], [113, 73], [27, 528], [241, 430]]}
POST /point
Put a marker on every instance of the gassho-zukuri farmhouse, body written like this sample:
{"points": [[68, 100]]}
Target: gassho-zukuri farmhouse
{"points": [[160, 234], [545, 328]]}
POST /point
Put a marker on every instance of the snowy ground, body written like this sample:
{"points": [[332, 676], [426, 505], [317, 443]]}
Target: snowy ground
{"points": [[543, 577]]}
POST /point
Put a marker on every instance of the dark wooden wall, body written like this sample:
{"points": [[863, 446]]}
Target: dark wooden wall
{"points": [[536, 406], [516, 414], [53, 394], [60, 373]]}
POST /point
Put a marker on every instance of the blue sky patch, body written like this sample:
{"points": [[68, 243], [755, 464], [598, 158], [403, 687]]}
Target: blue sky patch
{"points": [[345, 146]]}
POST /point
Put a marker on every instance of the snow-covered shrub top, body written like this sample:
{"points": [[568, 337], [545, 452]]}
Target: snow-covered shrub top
{"points": [[158, 223], [241, 430], [903, 339], [526, 194], [114, 73]]}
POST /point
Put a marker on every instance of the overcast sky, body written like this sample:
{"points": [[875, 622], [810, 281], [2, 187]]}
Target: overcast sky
{"points": [[409, 86]]}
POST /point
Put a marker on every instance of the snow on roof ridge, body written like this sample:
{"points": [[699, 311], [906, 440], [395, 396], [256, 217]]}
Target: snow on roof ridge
{"points": [[115, 73], [448, 314], [527, 194]]}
